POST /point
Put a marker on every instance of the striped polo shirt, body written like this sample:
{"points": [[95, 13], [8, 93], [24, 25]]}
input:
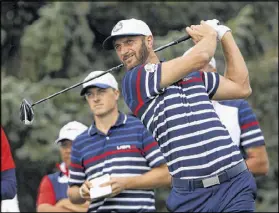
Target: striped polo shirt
{"points": [[128, 149], [182, 119], [241, 122]]}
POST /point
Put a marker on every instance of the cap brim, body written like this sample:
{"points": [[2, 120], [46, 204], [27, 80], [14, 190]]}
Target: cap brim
{"points": [[60, 139], [83, 91], [108, 42]]}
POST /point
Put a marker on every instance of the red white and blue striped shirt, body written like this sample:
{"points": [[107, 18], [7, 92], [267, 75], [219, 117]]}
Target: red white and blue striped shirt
{"points": [[241, 122], [128, 149], [182, 119]]}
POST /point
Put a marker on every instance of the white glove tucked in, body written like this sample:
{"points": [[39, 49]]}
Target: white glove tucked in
{"points": [[220, 29]]}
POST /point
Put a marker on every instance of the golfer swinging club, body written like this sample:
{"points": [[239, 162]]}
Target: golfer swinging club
{"points": [[172, 99]]}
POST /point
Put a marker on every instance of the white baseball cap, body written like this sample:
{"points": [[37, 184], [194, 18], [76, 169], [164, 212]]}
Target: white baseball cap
{"points": [[70, 131], [128, 27], [105, 81], [212, 61]]}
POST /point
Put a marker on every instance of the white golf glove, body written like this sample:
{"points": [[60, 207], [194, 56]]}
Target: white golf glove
{"points": [[214, 23], [220, 29]]}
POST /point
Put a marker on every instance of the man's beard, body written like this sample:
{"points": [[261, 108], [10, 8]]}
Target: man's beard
{"points": [[143, 55]]}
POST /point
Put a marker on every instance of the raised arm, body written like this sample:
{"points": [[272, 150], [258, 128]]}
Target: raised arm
{"points": [[201, 54], [235, 84]]}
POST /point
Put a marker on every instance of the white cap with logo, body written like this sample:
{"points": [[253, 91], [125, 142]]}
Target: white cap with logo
{"points": [[128, 27], [70, 131], [212, 61], [105, 81]]}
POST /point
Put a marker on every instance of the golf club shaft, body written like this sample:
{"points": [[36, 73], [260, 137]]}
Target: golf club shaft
{"points": [[184, 38]]}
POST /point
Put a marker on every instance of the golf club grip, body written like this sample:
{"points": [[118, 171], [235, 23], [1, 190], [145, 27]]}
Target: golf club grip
{"points": [[184, 38]]}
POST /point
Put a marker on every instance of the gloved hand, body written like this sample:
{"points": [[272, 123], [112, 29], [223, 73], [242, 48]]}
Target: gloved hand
{"points": [[214, 23], [220, 29]]}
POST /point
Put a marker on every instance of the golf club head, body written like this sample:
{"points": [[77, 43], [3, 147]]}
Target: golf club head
{"points": [[26, 112]]}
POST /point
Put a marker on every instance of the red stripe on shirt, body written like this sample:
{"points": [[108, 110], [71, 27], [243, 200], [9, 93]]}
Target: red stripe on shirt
{"points": [[245, 126], [140, 101], [149, 146], [46, 192], [76, 166], [98, 157], [193, 79], [7, 161]]}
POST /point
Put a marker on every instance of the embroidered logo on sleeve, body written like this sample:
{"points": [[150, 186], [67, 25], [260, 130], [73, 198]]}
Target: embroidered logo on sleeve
{"points": [[150, 67]]}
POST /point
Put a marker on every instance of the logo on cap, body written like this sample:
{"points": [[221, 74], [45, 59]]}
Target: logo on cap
{"points": [[117, 27]]}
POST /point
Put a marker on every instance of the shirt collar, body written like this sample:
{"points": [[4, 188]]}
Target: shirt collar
{"points": [[121, 120]]}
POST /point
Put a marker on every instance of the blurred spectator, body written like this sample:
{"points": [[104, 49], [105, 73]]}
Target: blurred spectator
{"points": [[52, 194], [9, 202]]}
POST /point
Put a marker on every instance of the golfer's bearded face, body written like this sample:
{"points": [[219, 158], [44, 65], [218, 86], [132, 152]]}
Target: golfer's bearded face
{"points": [[131, 50]]}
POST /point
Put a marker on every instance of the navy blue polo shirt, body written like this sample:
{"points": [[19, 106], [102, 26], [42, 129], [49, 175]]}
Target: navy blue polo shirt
{"points": [[182, 119], [128, 149]]}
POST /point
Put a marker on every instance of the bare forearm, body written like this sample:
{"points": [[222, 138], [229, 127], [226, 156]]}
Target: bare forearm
{"points": [[77, 207], [176, 69], [236, 69], [257, 166], [45, 207], [74, 196], [157, 177]]}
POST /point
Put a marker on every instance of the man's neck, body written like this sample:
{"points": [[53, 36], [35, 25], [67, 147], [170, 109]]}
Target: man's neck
{"points": [[104, 123], [152, 58]]}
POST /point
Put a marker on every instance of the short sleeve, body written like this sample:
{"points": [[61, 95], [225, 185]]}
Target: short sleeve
{"points": [[76, 169], [7, 161], [46, 192], [251, 133], [141, 85], [211, 82]]}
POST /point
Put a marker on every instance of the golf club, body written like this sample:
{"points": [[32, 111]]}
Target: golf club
{"points": [[26, 110]]}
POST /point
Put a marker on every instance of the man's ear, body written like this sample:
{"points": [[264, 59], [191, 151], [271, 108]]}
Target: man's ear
{"points": [[149, 41], [117, 93]]}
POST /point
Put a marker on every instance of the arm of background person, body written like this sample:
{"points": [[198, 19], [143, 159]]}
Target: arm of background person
{"points": [[257, 160], [74, 195], [8, 175], [252, 140], [235, 82], [158, 176], [155, 178], [175, 69], [67, 204], [46, 198], [8, 184], [77, 176]]}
